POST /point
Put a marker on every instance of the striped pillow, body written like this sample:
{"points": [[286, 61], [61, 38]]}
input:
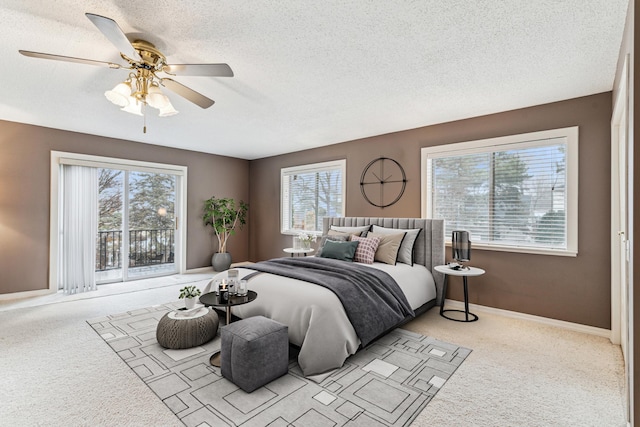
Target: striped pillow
{"points": [[366, 250]]}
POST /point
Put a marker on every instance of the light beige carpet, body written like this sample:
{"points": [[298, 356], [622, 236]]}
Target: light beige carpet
{"points": [[56, 371], [522, 373]]}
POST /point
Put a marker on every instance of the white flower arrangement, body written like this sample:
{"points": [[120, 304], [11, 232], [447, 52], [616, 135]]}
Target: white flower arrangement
{"points": [[303, 236]]}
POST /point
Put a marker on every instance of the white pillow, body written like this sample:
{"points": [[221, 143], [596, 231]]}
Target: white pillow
{"points": [[405, 254], [360, 231]]}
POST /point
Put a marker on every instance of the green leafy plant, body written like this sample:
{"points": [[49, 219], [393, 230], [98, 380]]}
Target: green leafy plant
{"points": [[224, 216], [189, 292]]}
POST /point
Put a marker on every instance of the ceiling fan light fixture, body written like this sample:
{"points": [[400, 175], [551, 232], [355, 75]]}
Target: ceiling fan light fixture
{"points": [[120, 94], [156, 98], [134, 107], [168, 110]]}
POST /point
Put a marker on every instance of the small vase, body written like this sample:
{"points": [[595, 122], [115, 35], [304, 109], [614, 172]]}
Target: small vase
{"points": [[189, 303], [305, 245]]}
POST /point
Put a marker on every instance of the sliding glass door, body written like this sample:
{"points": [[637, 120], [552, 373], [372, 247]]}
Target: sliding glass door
{"points": [[109, 247], [136, 225], [151, 225], [139, 230]]}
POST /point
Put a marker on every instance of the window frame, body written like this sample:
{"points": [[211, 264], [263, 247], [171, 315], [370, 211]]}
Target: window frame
{"points": [[307, 168], [525, 140]]}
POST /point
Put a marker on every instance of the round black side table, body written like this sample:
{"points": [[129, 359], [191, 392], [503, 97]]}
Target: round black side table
{"points": [[448, 271]]}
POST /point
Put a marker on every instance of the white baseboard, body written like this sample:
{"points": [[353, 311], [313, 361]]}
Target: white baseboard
{"points": [[41, 292], [475, 308], [204, 270], [201, 270], [26, 294]]}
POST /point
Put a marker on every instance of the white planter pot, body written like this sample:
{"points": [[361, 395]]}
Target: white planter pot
{"points": [[189, 303]]}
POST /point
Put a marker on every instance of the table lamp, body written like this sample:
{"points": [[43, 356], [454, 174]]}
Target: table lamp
{"points": [[460, 249]]}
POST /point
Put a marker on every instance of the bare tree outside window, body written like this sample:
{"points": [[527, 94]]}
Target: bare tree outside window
{"points": [[150, 223]]}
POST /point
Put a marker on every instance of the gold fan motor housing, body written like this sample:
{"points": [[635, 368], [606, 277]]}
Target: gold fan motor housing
{"points": [[149, 54], [151, 60]]}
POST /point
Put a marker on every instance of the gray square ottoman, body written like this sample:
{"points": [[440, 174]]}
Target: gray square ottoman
{"points": [[254, 352]]}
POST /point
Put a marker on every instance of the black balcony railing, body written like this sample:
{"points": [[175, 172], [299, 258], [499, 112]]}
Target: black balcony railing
{"points": [[146, 248]]}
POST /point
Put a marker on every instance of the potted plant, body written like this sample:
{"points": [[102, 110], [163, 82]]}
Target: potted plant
{"points": [[224, 217], [189, 293]]}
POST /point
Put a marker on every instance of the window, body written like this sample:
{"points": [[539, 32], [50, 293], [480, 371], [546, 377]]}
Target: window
{"points": [[310, 193], [516, 193]]}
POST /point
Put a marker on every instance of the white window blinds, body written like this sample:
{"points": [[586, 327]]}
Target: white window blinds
{"points": [[507, 194], [309, 193]]}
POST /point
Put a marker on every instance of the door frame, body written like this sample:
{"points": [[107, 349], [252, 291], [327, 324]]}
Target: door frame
{"points": [[59, 158], [620, 111], [621, 299]]}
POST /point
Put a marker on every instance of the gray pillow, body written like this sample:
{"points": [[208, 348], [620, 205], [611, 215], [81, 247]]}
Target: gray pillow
{"points": [[343, 251], [359, 230], [335, 238], [388, 247], [405, 254]]}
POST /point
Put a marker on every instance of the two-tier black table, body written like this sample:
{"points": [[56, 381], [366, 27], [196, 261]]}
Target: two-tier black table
{"points": [[211, 299]]}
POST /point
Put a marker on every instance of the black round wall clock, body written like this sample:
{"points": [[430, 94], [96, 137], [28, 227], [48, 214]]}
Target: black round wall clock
{"points": [[382, 182]]}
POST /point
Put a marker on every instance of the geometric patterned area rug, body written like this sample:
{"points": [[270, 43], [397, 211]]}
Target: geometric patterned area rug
{"points": [[387, 384]]}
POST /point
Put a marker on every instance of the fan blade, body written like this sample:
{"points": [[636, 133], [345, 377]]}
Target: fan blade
{"points": [[189, 94], [215, 70], [114, 33], [69, 59]]}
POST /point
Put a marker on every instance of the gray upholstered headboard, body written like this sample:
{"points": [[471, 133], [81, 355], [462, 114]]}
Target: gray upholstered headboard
{"points": [[428, 249]]}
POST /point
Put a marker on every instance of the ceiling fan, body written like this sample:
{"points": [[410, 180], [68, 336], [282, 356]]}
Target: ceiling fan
{"points": [[145, 62]]}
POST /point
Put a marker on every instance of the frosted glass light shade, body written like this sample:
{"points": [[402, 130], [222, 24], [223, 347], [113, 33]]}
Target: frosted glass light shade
{"points": [[156, 98], [134, 107], [120, 94], [168, 111]]}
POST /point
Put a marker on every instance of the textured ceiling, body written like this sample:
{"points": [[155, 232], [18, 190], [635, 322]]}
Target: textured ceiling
{"points": [[308, 74]]}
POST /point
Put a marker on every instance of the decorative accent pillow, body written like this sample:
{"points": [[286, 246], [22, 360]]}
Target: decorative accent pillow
{"points": [[341, 237], [366, 250], [405, 254], [343, 251], [360, 230], [338, 233], [388, 247]]}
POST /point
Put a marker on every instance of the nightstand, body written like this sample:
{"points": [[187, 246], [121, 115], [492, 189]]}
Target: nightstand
{"points": [[299, 252], [448, 271]]}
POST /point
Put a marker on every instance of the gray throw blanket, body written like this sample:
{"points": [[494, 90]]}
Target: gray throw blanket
{"points": [[373, 301]]}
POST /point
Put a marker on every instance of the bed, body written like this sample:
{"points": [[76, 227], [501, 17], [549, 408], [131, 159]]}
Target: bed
{"points": [[318, 322]]}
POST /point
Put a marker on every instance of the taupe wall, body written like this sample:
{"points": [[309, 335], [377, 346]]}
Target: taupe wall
{"points": [[24, 196], [571, 289], [574, 289]]}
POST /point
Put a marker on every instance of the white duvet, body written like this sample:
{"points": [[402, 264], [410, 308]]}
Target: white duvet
{"points": [[316, 319]]}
